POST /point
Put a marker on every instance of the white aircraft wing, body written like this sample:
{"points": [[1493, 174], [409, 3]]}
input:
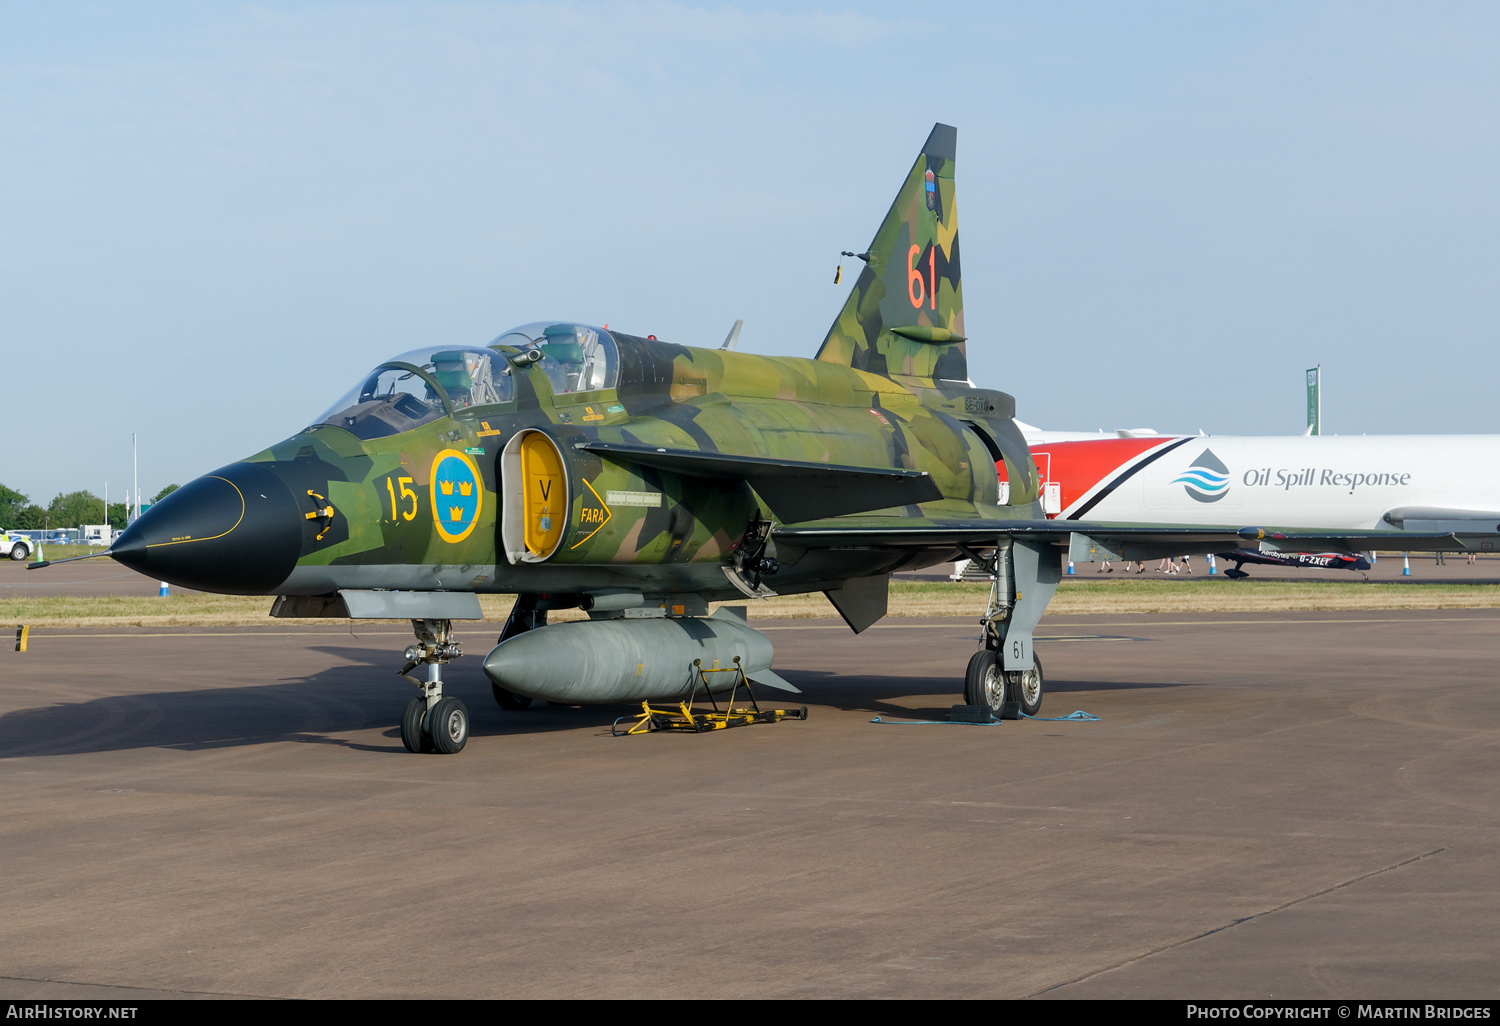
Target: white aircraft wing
{"points": [[1455, 521], [1089, 541]]}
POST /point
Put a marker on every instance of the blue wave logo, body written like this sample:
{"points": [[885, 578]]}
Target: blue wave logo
{"points": [[1207, 480]]}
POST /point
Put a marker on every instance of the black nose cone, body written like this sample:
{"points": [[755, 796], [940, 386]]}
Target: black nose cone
{"points": [[236, 531]]}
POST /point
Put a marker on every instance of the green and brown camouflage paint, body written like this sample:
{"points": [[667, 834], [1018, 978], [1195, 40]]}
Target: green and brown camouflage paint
{"points": [[888, 389]]}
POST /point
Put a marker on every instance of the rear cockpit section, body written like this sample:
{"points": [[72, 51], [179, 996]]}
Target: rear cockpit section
{"points": [[472, 377], [419, 387], [576, 357]]}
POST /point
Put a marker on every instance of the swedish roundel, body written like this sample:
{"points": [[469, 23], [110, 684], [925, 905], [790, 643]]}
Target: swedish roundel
{"points": [[457, 494]]}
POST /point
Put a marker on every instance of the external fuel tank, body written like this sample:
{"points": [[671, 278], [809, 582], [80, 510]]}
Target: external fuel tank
{"points": [[630, 660]]}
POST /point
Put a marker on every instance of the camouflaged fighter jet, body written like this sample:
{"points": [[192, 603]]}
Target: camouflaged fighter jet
{"points": [[639, 480]]}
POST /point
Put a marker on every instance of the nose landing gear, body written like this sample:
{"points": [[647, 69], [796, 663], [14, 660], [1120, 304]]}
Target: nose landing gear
{"points": [[432, 723]]}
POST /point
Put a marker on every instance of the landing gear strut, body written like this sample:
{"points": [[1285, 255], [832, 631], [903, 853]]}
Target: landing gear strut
{"points": [[432, 723]]}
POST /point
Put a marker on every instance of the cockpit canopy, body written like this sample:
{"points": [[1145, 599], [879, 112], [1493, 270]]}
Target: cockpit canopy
{"points": [[418, 387], [576, 357], [425, 384]]}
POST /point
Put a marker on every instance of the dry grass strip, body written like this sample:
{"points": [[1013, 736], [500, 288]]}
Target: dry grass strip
{"points": [[908, 599]]}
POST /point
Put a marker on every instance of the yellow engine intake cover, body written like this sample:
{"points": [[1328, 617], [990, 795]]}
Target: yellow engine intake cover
{"points": [[535, 486], [546, 493]]}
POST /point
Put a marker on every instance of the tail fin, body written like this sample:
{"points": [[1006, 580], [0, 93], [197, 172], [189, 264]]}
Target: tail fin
{"points": [[905, 316]]}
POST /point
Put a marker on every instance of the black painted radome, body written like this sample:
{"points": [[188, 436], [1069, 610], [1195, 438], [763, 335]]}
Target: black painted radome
{"points": [[236, 531]]}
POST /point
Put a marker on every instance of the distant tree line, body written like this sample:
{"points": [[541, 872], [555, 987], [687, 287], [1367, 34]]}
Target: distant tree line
{"points": [[69, 509]]}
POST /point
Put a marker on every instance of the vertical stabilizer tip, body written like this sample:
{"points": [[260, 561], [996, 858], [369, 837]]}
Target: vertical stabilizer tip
{"points": [[943, 142]]}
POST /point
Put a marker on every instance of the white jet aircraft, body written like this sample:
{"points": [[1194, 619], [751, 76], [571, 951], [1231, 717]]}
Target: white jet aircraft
{"points": [[1448, 484]]}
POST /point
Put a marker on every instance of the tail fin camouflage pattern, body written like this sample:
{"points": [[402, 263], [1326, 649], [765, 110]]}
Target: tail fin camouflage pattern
{"points": [[905, 316]]}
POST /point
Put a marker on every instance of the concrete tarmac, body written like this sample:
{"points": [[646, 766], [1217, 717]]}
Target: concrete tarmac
{"points": [[85, 577], [1292, 805]]}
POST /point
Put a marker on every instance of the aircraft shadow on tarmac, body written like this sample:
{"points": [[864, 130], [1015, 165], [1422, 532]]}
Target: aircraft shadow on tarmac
{"points": [[363, 692], [893, 696]]}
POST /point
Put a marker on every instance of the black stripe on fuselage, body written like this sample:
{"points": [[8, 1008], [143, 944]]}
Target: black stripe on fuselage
{"points": [[1117, 482]]}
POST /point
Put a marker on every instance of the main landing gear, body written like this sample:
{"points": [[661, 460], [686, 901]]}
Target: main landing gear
{"points": [[1008, 694], [1005, 675], [432, 723]]}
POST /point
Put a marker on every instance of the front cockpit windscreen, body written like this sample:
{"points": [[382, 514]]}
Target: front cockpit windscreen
{"points": [[419, 387], [576, 357]]}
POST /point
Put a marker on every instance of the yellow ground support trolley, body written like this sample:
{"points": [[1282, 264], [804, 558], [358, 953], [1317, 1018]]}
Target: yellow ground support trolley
{"points": [[686, 717]]}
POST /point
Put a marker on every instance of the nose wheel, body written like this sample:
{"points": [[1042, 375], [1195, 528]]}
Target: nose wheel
{"points": [[448, 726], [413, 720], [431, 722]]}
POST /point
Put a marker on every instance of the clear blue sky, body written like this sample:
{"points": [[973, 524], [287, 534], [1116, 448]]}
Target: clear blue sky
{"points": [[215, 217]]}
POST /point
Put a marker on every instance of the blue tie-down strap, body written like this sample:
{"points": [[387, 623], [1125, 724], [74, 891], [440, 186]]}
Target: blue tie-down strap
{"points": [[1078, 715], [929, 723]]}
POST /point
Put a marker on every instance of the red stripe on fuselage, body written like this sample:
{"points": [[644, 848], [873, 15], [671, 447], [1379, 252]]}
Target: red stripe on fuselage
{"points": [[1079, 466]]}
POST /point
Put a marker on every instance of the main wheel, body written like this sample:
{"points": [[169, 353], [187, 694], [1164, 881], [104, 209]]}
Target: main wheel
{"points": [[1027, 686], [508, 699], [412, 735], [449, 726], [984, 683], [19, 552]]}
